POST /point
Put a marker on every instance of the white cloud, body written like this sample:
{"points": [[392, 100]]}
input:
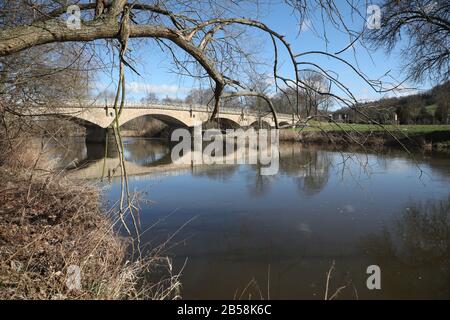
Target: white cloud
{"points": [[162, 89], [99, 86], [367, 96], [306, 25]]}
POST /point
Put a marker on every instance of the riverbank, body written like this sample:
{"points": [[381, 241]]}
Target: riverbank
{"points": [[420, 137], [57, 242]]}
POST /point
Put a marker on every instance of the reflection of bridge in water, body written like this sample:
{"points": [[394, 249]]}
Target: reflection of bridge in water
{"points": [[96, 117], [193, 161], [152, 158]]}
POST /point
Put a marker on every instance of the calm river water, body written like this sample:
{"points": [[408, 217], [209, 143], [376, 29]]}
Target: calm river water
{"points": [[241, 234]]}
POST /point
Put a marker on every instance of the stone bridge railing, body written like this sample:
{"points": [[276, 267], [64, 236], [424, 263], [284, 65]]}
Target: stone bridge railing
{"points": [[167, 106]]}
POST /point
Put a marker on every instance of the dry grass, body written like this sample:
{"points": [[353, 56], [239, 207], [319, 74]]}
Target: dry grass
{"points": [[422, 138], [333, 138], [26, 155], [49, 224]]}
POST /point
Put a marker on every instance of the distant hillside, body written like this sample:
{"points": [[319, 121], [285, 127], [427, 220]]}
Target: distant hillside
{"points": [[430, 107]]}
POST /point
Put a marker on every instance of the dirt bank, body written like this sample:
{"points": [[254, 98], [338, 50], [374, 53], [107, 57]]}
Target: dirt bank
{"points": [[436, 141], [56, 243]]}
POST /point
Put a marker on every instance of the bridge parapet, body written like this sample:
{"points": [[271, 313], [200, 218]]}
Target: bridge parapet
{"points": [[167, 106]]}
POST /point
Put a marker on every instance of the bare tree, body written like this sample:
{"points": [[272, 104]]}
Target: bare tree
{"points": [[422, 27], [315, 91], [200, 34], [259, 83], [193, 36], [43, 77], [206, 40], [200, 96], [150, 97]]}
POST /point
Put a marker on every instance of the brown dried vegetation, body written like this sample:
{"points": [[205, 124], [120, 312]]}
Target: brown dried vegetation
{"points": [[48, 224]]}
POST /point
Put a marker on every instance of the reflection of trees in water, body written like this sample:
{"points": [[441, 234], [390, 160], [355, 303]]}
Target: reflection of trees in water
{"points": [[75, 152], [215, 172], [96, 151], [309, 167], [414, 254], [316, 173], [67, 151], [439, 164], [390, 159], [259, 184], [144, 151]]}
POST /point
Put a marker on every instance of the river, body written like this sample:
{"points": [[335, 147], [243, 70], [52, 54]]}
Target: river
{"points": [[240, 234]]}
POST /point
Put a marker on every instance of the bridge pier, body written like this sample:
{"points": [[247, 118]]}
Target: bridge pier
{"points": [[96, 134]]}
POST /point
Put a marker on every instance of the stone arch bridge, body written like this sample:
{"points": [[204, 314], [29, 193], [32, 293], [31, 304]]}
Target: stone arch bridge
{"points": [[96, 117]]}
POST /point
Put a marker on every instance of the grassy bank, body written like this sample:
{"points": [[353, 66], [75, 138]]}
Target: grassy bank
{"points": [[429, 137], [398, 129]]}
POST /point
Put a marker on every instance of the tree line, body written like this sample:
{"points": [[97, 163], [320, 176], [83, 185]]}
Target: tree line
{"points": [[429, 107]]}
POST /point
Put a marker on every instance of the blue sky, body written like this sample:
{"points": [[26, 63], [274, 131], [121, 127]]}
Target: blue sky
{"points": [[155, 66]]}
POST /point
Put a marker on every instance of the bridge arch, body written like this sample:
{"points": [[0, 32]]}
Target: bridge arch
{"points": [[96, 128], [222, 122], [83, 120], [87, 117], [264, 124], [167, 119], [179, 118]]}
